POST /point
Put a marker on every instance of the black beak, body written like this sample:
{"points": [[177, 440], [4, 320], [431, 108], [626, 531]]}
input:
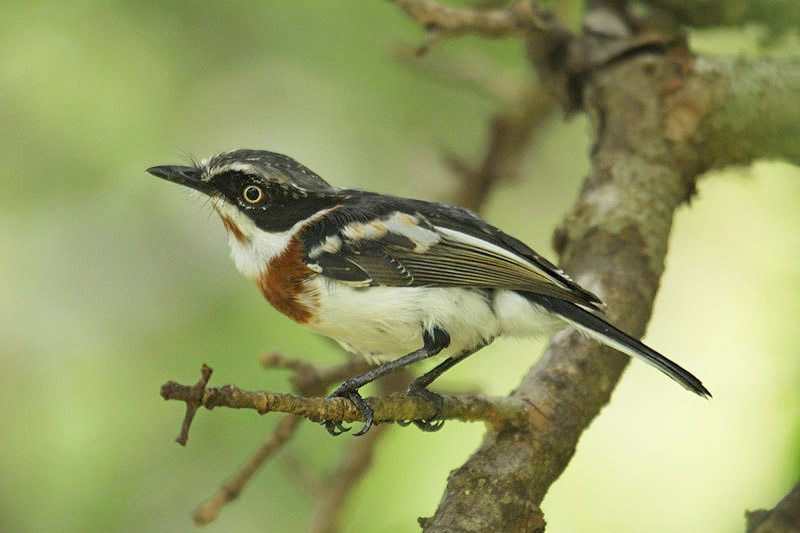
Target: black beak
{"points": [[188, 176]]}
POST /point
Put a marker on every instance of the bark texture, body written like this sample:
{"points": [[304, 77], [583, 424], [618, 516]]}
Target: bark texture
{"points": [[661, 118]]}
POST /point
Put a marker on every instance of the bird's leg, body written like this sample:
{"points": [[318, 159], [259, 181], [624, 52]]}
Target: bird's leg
{"points": [[419, 388], [434, 342]]}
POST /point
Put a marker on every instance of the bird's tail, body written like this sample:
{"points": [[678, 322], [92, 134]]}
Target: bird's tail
{"points": [[602, 331]]}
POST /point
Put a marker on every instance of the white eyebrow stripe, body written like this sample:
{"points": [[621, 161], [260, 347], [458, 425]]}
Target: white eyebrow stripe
{"points": [[480, 243], [236, 166], [243, 167]]}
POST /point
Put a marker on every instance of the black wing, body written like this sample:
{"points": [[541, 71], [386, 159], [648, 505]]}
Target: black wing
{"points": [[394, 241]]}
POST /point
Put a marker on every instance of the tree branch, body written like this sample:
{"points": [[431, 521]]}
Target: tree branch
{"points": [[661, 118], [494, 411], [193, 401], [338, 486], [520, 19], [784, 518], [778, 16], [613, 242], [210, 509], [307, 380], [510, 132], [312, 381], [352, 467], [747, 110]]}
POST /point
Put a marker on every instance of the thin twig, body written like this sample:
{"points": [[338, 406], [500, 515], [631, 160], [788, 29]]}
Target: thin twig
{"points": [[510, 132], [352, 467], [193, 401], [308, 380], [499, 412], [312, 482], [518, 20], [349, 472], [475, 74], [209, 510], [312, 381]]}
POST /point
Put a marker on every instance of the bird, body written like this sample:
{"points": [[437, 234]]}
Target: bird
{"points": [[393, 279]]}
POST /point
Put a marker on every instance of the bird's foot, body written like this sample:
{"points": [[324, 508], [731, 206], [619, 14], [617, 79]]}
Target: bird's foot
{"points": [[434, 423], [336, 427]]}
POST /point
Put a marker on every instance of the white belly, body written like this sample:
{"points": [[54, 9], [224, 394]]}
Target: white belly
{"points": [[388, 322]]}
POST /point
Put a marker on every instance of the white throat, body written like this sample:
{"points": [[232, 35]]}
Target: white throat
{"points": [[253, 253]]}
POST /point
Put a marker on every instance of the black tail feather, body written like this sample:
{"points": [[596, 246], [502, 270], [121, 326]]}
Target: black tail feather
{"points": [[607, 334]]}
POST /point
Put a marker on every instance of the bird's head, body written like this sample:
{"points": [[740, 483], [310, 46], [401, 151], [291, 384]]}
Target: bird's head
{"points": [[254, 191]]}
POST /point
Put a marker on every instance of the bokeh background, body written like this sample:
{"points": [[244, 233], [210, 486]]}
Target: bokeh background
{"points": [[112, 282]]}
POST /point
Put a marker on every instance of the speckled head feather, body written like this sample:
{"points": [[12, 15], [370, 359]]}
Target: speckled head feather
{"points": [[269, 166]]}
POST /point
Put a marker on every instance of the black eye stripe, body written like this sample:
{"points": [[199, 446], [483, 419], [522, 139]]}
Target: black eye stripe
{"points": [[252, 194]]}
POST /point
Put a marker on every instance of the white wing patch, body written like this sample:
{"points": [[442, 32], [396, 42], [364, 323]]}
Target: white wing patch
{"points": [[398, 223], [330, 245], [409, 226], [371, 230]]}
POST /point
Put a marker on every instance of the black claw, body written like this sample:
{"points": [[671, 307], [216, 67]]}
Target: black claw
{"points": [[433, 423], [428, 425], [364, 429], [366, 412], [336, 428]]}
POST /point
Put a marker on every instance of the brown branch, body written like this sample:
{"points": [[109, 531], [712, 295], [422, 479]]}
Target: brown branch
{"points": [[661, 118], [475, 74], [352, 467], [312, 381], [208, 511], [345, 478], [733, 112], [510, 133], [193, 401], [494, 411], [614, 242], [311, 481], [308, 380], [519, 20], [784, 518], [315, 381], [778, 16]]}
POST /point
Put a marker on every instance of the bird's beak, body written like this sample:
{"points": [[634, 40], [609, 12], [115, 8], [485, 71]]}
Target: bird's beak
{"points": [[188, 176]]}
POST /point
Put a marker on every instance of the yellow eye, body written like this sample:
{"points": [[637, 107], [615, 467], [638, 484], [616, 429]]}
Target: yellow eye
{"points": [[252, 194]]}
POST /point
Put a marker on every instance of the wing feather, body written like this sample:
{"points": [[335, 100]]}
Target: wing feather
{"points": [[411, 251]]}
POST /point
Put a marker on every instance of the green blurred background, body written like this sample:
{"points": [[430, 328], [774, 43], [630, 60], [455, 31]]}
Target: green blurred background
{"points": [[112, 282]]}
